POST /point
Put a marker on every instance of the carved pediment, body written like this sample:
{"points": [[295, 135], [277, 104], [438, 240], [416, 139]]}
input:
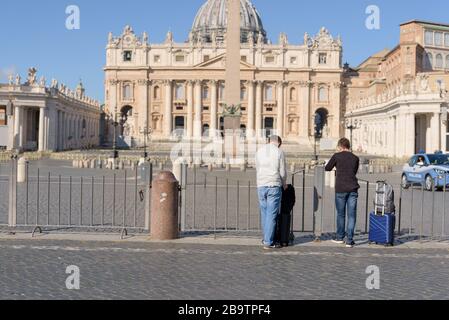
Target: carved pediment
{"points": [[324, 40], [128, 39], [219, 62]]}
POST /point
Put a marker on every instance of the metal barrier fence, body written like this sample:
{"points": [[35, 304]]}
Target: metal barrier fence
{"points": [[66, 198], [214, 203], [422, 213], [5, 173]]}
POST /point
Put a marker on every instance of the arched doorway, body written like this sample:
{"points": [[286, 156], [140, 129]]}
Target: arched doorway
{"points": [[126, 121], [320, 122]]}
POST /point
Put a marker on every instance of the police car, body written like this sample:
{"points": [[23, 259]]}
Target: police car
{"points": [[429, 170]]}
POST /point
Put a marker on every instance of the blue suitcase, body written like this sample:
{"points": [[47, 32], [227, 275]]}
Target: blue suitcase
{"points": [[382, 224], [382, 229]]}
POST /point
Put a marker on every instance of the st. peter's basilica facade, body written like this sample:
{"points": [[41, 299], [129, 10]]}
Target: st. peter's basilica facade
{"points": [[178, 89]]}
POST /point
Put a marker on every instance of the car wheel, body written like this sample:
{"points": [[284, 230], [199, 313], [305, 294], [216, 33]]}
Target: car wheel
{"points": [[405, 183], [429, 183]]}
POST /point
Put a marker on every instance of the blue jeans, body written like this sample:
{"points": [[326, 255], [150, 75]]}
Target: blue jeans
{"points": [[347, 201], [270, 205]]}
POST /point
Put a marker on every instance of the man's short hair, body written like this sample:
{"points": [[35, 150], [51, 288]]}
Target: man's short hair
{"points": [[274, 138], [344, 143]]}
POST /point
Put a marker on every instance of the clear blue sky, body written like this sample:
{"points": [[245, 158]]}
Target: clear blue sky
{"points": [[36, 34]]}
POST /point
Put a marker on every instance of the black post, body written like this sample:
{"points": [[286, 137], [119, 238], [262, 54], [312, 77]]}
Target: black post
{"points": [[351, 128], [114, 145]]}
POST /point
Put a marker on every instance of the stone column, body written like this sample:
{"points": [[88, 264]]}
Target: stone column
{"points": [[168, 115], [251, 109], [435, 132], [391, 137], [143, 108], [61, 132], [17, 121], [41, 130], [197, 122], [23, 128], [407, 134], [259, 108], [444, 137], [305, 109], [189, 109], [280, 109], [213, 108]]}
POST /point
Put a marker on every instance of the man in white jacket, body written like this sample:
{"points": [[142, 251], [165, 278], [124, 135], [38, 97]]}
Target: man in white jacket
{"points": [[271, 180]]}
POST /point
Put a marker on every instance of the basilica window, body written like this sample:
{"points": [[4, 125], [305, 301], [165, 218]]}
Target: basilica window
{"points": [[179, 123], [157, 92], [127, 56], [269, 59], [293, 94], [269, 93], [293, 60], [323, 94], [243, 93], [179, 91], [205, 93], [157, 59], [438, 38], [206, 129], [221, 92], [3, 116], [428, 38], [446, 39], [322, 59], [428, 63], [243, 58], [127, 92], [447, 61], [180, 58], [206, 58], [439, 61]]}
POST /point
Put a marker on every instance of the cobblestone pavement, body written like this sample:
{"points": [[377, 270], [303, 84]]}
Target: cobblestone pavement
{"points": [[112, 270]]}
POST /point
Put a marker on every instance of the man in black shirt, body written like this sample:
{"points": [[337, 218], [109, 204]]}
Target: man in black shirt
{"points": [[346, 190]]}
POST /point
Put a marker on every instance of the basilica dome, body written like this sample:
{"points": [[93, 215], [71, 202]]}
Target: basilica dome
{"points": [[211, 22]]}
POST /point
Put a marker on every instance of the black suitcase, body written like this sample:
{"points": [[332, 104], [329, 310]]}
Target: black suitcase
{"points": [[284, 225]]}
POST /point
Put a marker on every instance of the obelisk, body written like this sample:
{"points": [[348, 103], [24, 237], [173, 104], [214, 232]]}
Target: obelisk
{"points": [[232, 81], [232, 92]]}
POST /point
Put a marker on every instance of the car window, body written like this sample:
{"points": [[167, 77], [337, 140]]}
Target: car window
{"points": [[438, 159], [413, 161]]}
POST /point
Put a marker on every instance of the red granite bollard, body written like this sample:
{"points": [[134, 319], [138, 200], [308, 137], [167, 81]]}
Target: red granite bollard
{"points": [[164, 207]]}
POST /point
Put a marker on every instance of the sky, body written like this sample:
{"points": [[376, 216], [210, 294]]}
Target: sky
{"points": [[34, 32]]}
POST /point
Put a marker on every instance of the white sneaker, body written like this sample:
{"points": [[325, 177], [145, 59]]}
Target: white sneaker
{"points": [[338, 241]]}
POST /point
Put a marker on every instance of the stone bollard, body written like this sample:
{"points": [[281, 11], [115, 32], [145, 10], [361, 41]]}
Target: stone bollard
{"points": [[164, 207], [22, 170], [93, 164], [228, 167], [121, 165], [243, 167], [74, 163]]}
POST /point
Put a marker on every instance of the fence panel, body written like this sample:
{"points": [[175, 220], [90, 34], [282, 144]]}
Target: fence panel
{"points": [[82, 198], [5, 172]]}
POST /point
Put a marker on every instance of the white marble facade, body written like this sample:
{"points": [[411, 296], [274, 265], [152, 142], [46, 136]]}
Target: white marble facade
{"points": [[178, 87], [42, 118]]}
